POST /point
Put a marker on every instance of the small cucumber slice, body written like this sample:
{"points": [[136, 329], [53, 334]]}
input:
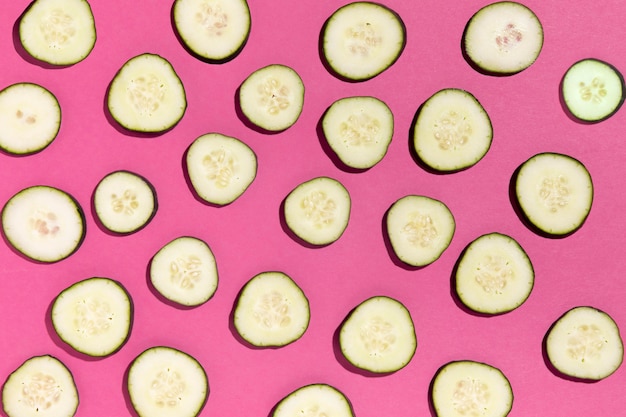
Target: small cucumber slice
{"points": [[164, 381], [318, 210], [592, 90], [585, 343], [420, 229], [314, 400], [30, 117], [469, 388], [214, 31], [146, 95], [58, 32], [362, 39], [504, 38], [378, 335], [271, 310], [184, 271], [494, 274], [272, 97], [359, 130], [43, 223], [124, 202], [41, 387], [220, 168], [452, 131], [93, 316], [555, 193]]}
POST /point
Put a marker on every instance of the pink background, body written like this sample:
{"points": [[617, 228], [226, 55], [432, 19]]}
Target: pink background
{"points": [[586, 268]]}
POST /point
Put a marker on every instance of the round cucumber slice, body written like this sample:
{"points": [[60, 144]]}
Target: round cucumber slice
{"points": [[43, 223], [469, 388], [272, 97], [359, 130], [41, 387], [58, 32], [318, 210], [585, 343], [93, 316], [30, 116], [164, 381], [220, 168], [452, 131], [554, 192], [503, 38], [214, 31], [494, 275], [184, 271], [592, 90], [362, 39], [271, 310], [314, 400], [146, 95], [419, 229]]}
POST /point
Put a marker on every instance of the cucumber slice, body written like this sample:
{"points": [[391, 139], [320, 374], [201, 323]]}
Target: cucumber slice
{"points": [[220, 168], [314, 400], [362, 39], [419, 229], [43, 223], [452, 131], [41, 387], [318, 210], [272, 97], [216, 30], [504, 38], [494, 275], [554, 192], [184, 271], [146, 95], [93, 316], [58, 32], [271, 310], [359, 130], [378, 335], [592, 90], [469, 388], [124, 202], [30, 117], [585, 343], [164, 381]]}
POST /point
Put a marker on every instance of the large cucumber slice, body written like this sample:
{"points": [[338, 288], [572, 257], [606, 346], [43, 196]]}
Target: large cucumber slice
{"points": [[164, 381], [504, 37], [184, 271], [452, 131], [93, 316], [314, 400], [30, 117], [494, 274], [420, 229], [43, 223], [378, 335], [41, 387], [585, 343], [554, 192], [359, 130], [593, 90], [469, 388], [362, 39], [146, 95], [213, 30], [220, 168], [58, 32]]}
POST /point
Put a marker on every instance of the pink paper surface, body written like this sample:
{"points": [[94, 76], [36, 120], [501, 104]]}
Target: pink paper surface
{"points": [[247, 237]]}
